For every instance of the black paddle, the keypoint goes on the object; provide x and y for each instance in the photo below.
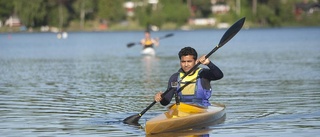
(232, 31)
(134, 43)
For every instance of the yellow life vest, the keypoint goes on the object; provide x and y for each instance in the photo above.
(148, 42)
(190, 80)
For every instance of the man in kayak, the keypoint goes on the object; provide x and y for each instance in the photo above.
(148, 42)
(195, 88)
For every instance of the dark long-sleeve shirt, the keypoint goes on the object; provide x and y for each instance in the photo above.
(206, 75)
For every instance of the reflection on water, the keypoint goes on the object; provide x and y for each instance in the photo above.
(150, 69)
(88, 83)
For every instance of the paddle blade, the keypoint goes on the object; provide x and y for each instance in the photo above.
(233, 30)
(130, 44)
(169, 35)
(132, 120)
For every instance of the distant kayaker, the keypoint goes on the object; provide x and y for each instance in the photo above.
(148, 42)
(194, 88)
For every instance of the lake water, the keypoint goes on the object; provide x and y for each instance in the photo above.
(87, 84)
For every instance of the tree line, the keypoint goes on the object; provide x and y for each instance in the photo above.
(88, 14)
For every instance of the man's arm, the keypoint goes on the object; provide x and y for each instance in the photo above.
(213, 73)
(166, 99)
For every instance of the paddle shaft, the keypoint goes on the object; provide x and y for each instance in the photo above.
(166, 36)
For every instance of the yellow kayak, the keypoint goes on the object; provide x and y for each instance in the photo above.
(185, 116)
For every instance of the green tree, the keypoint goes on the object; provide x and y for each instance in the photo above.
(166, 11)
(202, 8)
(286, 11)
(82, 8)
(173, 14)
(58, 14)
(111, 10)
(6, 8)
(30, 13)
(144, 13)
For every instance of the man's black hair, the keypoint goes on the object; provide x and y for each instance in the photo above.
(188, 51)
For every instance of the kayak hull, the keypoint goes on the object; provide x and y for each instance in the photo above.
(148, 51)
(185, 117)
(183, 133)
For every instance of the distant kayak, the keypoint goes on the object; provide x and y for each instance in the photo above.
(185, 116)
(148, 51)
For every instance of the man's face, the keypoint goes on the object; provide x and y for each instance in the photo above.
(187, 62)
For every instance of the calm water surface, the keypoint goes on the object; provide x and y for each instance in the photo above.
(87, 84)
